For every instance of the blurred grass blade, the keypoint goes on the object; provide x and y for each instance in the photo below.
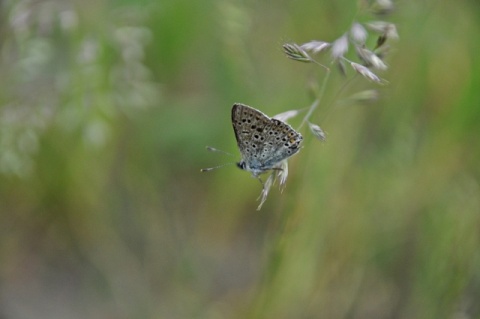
(365, 96)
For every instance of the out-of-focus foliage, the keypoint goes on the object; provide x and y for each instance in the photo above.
(105, 111)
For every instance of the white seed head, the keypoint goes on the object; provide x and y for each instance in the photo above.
(340, 47)
(315, 46)
(266, 189)
(365, 72)
(358, 33)
(370, 58)
(384, 28)
(286, 115)
(295, 52)
(317, 132)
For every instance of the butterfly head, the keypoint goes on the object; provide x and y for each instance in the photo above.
(254, 170)
(242, 165)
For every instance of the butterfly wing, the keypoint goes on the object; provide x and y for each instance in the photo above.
(249, 125)
(263, 142)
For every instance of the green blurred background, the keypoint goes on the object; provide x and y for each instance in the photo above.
(106, 109)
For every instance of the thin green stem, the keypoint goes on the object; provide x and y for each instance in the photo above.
(317, 100)
(330, 107)
(323, 66)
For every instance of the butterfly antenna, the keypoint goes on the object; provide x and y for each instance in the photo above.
(215, 167)
(213, 149)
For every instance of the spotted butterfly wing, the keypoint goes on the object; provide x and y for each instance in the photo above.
(263, 142)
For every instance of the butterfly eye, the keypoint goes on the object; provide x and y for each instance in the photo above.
(241, 165)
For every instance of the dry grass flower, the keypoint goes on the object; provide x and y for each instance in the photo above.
(295, 52)
(317, 132)
(356, 37)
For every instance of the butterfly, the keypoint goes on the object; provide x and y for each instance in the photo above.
(264, 142)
